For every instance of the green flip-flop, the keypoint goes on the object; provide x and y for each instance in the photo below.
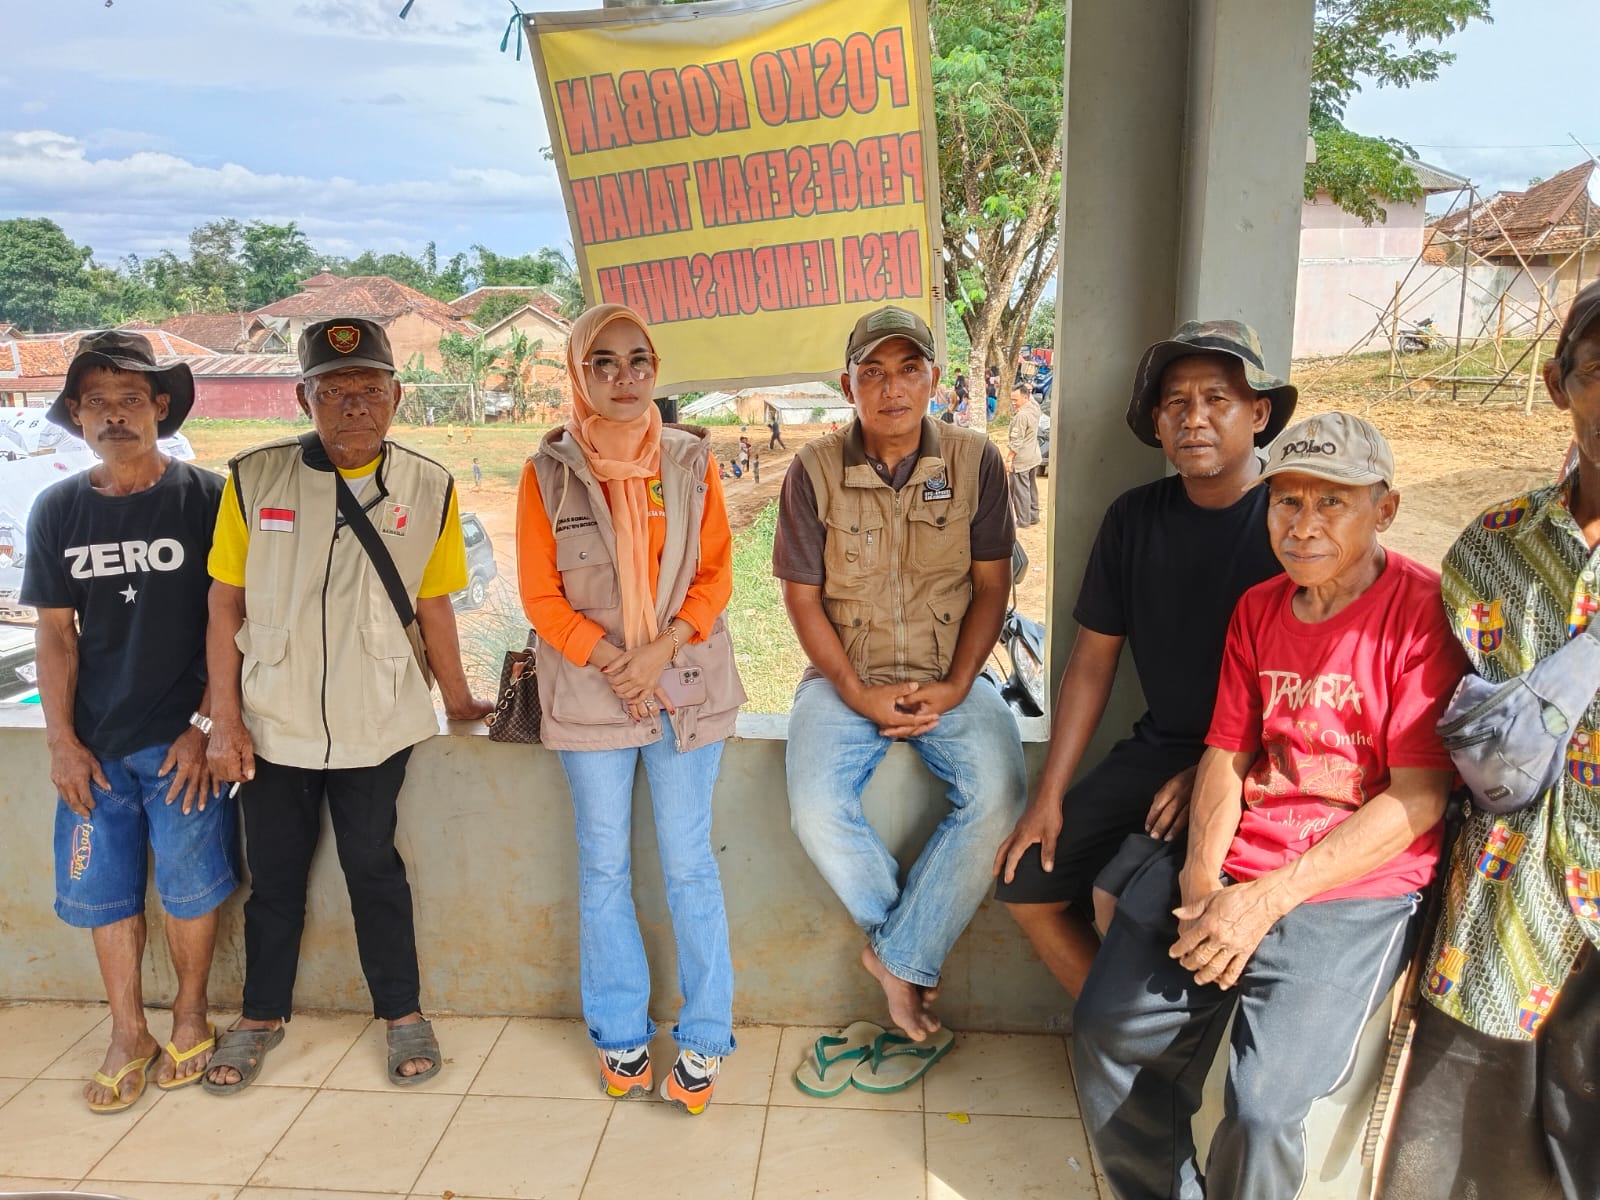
(852, 1045)
(897, 1062)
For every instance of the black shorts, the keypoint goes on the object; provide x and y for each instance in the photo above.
(1098, 813)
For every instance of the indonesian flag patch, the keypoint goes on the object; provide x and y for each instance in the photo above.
(276, 520)
(395, 517)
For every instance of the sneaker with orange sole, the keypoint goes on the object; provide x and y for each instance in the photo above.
(690, 1082)
(625, 1074)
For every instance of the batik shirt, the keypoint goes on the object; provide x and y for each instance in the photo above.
(1524, 890)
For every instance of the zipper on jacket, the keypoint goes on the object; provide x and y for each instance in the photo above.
(327, 574)
(899, 599)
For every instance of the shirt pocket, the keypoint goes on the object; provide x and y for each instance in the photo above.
(939, 536)
(588, 576)
(852, 619)
(948, 609)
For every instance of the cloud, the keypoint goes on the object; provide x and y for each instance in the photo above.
(147, 200)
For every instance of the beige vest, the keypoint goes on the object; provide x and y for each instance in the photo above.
(897, 564)
(580, 710)
(329, 679)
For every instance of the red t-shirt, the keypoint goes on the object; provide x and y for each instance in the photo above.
(1331, 707)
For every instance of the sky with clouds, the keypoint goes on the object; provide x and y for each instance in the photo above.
(131, 124)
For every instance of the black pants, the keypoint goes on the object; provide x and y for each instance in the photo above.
(1483, 1118)
(282, 822)
(775, 441)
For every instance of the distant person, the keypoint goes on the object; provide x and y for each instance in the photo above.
(991, 388)
(775, 432)
(1023, 457)
(1316, 821)
(894, 547)
(755, 468)
(1500, 1097)
(635, 664)
(317, 692)
(477, 476)
(1169, 562)
(116, 570)
(744, 452)
(963, 393)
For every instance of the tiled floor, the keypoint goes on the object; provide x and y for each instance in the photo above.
(515, 1114)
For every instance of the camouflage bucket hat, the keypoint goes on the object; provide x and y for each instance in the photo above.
(1233, 338)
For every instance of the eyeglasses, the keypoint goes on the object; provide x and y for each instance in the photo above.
(608, 369)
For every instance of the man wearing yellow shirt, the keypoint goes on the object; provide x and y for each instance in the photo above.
(316, 689)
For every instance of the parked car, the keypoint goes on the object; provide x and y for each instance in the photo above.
(19, 679)
(481, 568)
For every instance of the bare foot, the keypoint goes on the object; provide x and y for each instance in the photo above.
(188, 1031)
(907, 1006)
(124, 1049)
(411, 1066)
(227, 1075)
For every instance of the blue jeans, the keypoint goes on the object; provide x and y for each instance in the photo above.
(101, 859)
(614, 976)
(832, 753)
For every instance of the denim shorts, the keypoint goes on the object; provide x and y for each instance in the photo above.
(102, 860)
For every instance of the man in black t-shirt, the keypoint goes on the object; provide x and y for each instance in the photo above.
(117, 569)
(1169, 563)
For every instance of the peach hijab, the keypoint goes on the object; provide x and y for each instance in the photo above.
(623, 455)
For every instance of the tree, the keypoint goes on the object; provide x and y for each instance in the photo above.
(45, 282)
(515, 360)
(214, 276)
(276, 258)
(997, 68)
(1393, 44)
(1041, 330)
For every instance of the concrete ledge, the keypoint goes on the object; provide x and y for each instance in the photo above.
(486, 831)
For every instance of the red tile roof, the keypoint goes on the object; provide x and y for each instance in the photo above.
(1553, 217)
(376, 297)
(320, 279)
(47, 356)
(226, 333)
(539, 297)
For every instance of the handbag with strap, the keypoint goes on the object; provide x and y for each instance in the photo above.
(372, 542)
(517, 713)
(1509, 740)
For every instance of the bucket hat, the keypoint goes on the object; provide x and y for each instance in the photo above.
(126, 351)
(1233, 338)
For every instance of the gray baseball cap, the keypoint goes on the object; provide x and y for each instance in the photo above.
(1336, 446)
(880, 325)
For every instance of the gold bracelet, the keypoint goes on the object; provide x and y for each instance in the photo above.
(677, 643)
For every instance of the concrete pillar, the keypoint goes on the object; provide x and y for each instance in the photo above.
(1183, 157)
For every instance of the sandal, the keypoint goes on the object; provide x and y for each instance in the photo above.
(178, 1059)
(243, 1050)
(897, 1062)
(851, 1045)
(406, 1042)
(114, 1082)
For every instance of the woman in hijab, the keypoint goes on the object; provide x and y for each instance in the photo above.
(625, 565)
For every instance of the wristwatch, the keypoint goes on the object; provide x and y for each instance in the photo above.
(203, 724)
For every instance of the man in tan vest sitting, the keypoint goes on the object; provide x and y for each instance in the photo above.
(894, 546)
(317, 690)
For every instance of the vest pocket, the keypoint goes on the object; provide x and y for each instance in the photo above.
(588, 576)
(948, 611)
(263, 647)
(854, 542)
(391, 648)
(852, 620)
(939, 536)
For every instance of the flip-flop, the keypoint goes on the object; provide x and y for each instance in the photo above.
(244, 1050)
(897, 1062)
(114, 1082)
(178, 1059)
(406, 1042)
(851, 1044)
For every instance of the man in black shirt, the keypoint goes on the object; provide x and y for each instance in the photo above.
(117, 569)
(1169, 563)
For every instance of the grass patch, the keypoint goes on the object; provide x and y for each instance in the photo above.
(764, 645)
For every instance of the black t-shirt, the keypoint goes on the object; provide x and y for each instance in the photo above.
(1165, 574)
(134, 569)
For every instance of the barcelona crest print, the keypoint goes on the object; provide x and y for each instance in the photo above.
(1484, 627)
(1446, 971)
(1500, 853)
(1583, 757)
(1535, 1008)
(1583, 893)
(1507, 515)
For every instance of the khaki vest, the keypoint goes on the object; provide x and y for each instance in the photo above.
(329, 679)
(580, 710)
(897, 565)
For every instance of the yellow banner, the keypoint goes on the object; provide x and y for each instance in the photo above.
(751, 176)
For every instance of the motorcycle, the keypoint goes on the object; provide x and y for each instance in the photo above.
(1414, 339)
(1023, 689)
